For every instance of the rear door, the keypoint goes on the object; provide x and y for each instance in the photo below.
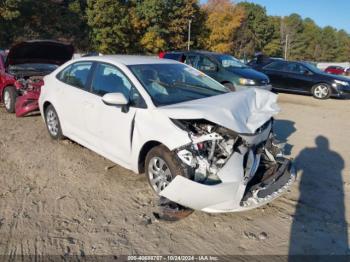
(276, 73)
(71, 95)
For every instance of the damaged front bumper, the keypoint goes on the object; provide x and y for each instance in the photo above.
(230, 196)
(253, 175)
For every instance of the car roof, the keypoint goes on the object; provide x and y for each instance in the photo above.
(129, 59)
(203, 52)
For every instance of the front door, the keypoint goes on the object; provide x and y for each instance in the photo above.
(110, 127)
(207, 66)
(298, 78)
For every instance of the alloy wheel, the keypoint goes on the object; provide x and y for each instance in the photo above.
(159, 174)
(7, 100)
(321, 91)
(52, 122)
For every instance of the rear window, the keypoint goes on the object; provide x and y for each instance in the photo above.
(276, 66)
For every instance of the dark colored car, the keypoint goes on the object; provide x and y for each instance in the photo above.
(302, 77)
(22, 72)
(260, 61)
(335, 70)
(225, 69)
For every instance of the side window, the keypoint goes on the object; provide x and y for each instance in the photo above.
(205, 64)
(136, 99)
(76, 74)
(295, 68)
(279, 66)
(190, 60)
(109, 79)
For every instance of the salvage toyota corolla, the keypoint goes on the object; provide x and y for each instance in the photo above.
(200, 146)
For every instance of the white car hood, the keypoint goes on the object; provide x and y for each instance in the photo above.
(243, 111)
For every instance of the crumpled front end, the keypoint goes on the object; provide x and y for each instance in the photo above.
(227, 171)
(29, 90)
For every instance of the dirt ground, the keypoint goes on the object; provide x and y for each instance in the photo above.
(60, 198)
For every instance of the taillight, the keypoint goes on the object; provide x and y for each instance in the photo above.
(161, 54)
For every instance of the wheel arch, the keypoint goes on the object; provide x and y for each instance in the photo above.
(143, 154)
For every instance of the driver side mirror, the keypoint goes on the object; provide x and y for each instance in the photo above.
(115, 99)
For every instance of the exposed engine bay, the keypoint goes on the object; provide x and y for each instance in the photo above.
(29, 84)
(211, 147)
(252, 164)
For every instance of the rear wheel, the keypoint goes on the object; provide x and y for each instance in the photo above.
(53, 123)
(9, 98)
(321, 91)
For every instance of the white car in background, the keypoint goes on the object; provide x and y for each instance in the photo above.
(200, 145)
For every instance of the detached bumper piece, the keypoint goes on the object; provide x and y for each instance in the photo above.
(269, 184)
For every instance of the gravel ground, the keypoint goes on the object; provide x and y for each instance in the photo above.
(59, 198)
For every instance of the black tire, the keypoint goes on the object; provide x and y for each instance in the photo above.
(170, 160)
(318, 91)
(168, 210)
(9, 98)
(230, 86)
(53, 123)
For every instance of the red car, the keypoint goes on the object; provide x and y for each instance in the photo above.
(335, 70)
(22, 72)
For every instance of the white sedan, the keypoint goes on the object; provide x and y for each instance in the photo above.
(200, 145)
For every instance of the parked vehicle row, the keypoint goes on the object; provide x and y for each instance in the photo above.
(225, 69)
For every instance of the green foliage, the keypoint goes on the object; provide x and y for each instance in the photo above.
(45, 19)
(110, 25)
(255, 31)
(150, 26)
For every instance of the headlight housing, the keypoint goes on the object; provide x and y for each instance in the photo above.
(343, 83)
(246, 82)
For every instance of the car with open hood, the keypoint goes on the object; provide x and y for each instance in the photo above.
(224, 68)
(23, 69)
(200, 145)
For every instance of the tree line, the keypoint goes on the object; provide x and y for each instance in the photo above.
(151, 26)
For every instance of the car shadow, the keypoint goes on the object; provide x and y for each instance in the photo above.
(283, 129)
(319, 224)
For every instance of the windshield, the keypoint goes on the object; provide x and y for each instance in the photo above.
(40, 68)
(230, 61)
(174, 83)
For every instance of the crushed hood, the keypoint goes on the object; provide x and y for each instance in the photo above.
(243, 111)
(40, 51)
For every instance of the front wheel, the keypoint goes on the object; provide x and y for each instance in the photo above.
(230, 87)
(9, 98)
(161, 168)
(53, 123)
(321, 91)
